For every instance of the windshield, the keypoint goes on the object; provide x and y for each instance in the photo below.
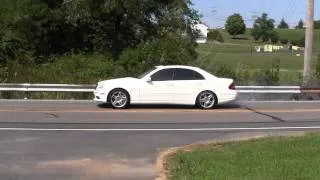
(145, 73)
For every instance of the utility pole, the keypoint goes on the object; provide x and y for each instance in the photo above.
(308, 43)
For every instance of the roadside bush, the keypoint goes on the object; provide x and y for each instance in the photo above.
(215, 35)
(269, 75)
(317, 73)
(67, 69)
(75, 69)
(284, 41)
(3, 74)
(294, 42)
(220, 38)
(288, 78)
(301, 42)
(242, 74)
(298, 42)
(224, 71)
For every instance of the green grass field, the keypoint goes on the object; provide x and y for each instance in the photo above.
(261, 159)
(295, 34)
(233, 52)
(231, 55)
(290, 34)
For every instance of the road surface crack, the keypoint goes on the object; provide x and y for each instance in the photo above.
(265, 114)
(52, 115)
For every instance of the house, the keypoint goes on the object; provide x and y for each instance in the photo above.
(268, 48)
(297, 48)
(203, 31)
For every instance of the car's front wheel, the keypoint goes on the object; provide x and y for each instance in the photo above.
(206, 100)
(119, 98)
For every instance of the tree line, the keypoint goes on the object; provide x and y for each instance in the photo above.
(263, 28)
(129, 35)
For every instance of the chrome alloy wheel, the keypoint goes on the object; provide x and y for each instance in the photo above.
(119, 99)
(206, 100)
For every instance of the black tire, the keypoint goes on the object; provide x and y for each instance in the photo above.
(119, 99)
(211, 100)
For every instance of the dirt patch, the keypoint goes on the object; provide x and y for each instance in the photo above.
(89, 169)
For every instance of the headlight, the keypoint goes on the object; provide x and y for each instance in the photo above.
(99, 85)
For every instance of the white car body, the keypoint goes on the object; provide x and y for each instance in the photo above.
(146, 91)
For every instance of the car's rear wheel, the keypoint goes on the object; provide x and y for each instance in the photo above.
(206, 100)
(119, 98)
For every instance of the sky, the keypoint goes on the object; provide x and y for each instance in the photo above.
(215, 12)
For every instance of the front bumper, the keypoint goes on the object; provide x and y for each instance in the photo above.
(100, 96)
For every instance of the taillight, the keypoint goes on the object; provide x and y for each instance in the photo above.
(232, 86)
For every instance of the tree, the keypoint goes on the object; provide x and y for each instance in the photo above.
(274, 37)
(114, 25)
(263, 28)
(37, 31)
(53, 27)
(300, 24)
(283, 24)
(235, 25)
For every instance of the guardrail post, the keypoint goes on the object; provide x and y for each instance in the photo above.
(26, 92)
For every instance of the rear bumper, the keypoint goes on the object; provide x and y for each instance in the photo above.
(228, 97)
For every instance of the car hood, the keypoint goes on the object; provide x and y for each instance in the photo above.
(118, 80)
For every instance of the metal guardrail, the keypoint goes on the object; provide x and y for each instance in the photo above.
(26, 87)
(269, 89)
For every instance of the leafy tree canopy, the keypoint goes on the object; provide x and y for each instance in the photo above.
(49, 27)
(300, 24)
(263, 28)
(283, 24)
(235, 25)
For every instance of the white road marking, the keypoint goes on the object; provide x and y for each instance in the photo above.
(96, 103)
(176, 129)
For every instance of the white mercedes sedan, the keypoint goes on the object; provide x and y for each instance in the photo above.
(172, 84)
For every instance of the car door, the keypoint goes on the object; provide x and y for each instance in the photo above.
(159, 89)
(187, 83)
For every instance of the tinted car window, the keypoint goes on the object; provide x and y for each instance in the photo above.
(186, 74)
(162, 75)
(198, 76)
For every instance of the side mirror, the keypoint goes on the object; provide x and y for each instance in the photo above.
(148, 79)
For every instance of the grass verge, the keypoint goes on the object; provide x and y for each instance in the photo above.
(266, 158)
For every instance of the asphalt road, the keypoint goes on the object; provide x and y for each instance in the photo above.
(83, 140)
